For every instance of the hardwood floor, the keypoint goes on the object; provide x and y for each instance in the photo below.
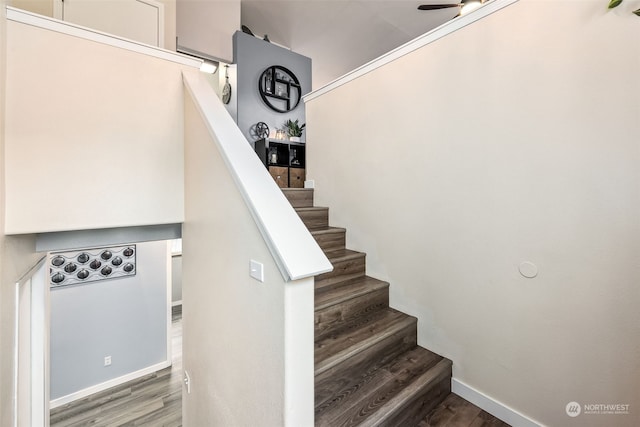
(153, 400)
(454, 411)
(156, 400)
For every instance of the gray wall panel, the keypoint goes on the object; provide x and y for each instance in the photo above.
(124, 318)
(252, 56)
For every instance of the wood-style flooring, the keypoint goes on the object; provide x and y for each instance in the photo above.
(153, 400)
(156, 400)
(454, 411)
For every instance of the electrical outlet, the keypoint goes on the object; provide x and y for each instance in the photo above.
(107, 361)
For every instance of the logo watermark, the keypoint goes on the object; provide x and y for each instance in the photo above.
(573, 409)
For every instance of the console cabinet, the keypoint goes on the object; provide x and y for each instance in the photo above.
(285, 161)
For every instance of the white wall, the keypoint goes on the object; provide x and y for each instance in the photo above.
(208, 26)
(247, 345)
(45, 7)
(17, 255)
(511, 140)
(42, 7)
(101, 129)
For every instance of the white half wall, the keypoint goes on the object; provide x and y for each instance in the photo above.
(46, 8)
(247, 345)
(17, 256)
(94, 135)
(511, 140)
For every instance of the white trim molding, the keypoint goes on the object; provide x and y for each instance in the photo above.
(160, 10)
(108, 384)
(492, 406)
(427, 38)
(28, 18)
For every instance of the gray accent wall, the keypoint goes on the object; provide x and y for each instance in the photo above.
(252, 56)
(125, 318)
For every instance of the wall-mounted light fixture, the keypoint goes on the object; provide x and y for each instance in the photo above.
(469, 5)
(208, 66)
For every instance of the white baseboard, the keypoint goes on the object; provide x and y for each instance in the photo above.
(107, 384)
(495, 408)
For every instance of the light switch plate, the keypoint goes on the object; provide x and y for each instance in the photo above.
(257, 270)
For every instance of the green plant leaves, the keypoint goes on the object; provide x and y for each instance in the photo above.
(614, 3)
(636, 12)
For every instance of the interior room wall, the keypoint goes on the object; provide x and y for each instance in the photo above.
(45, 7)
(252, 56)
(207, 27)
(41, 7)
(125, 318)
(107, 127)
(17, 255)
(247, 345)
(511, 140)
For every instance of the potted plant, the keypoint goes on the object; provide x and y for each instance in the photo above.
(294, 130)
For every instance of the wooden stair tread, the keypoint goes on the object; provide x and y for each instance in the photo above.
(369, 370)
(299, 197)
(311, 208)
(344, 255)
(378, 396)
(314, 217)
(347, 265)
(327, 230)
(327, 297)
(357, 336)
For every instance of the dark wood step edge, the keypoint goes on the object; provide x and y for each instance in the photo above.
(328, 230)
(341, 257)
(349, 295)
(311, 209)
(342, 356)
(401, 400)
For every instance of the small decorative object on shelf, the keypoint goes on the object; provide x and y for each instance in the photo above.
(294, 130)
(273, 155)
(281, 134)
(261, 130)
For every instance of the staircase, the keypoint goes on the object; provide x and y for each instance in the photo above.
(369, 370)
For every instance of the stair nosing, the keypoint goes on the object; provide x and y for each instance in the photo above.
(349, 254)
(376, 286)
(328, 230)
(339, 357)
(400, 400)
(311, 208)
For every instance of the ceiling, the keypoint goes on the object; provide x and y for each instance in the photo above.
(340, 35)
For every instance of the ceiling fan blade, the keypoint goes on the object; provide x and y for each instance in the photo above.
(437, 6)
